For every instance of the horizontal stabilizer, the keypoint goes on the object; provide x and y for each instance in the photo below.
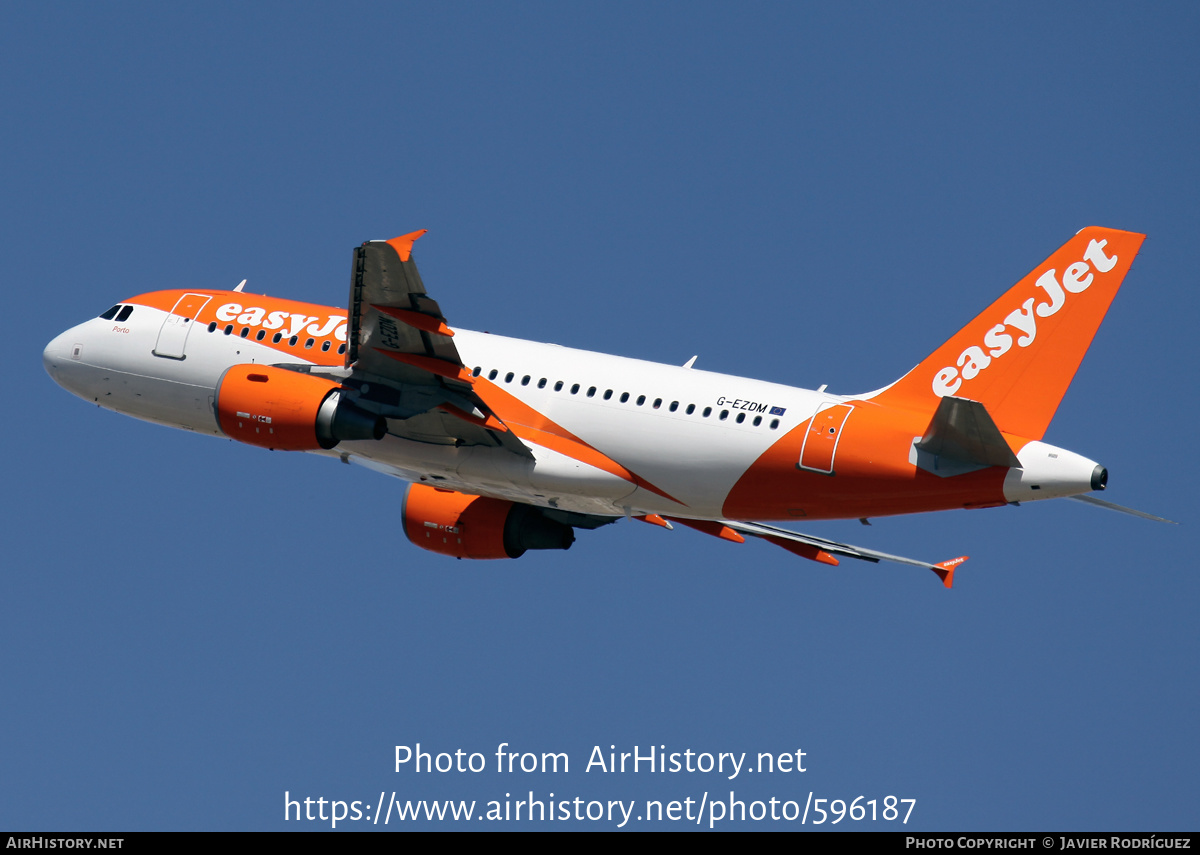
(962, 430)
(1113, 506)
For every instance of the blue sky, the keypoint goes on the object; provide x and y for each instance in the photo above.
(804, 194)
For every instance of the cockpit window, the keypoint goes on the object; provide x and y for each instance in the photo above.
(111, 313)
(125, 313)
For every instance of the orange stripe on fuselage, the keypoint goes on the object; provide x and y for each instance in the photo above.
(872, 474)
(527, 423)
(256, 312)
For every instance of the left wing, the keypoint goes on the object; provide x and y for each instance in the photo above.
(813, 548)
(402, 358)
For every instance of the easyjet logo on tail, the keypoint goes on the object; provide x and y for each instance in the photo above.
(1022, 322)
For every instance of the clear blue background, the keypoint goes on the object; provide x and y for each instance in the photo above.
(799, 193)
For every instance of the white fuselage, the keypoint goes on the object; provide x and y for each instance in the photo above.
(608, 435)
(690, 433)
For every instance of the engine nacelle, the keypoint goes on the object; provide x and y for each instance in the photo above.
(286, 410)
(453, 523)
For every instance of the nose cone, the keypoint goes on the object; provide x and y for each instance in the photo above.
(57, 352)
(62, 361)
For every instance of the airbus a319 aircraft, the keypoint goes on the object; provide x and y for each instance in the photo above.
(511, 445)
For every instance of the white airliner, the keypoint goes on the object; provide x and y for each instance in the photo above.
(510, 445)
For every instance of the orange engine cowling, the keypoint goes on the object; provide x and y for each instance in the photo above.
(286, 410)
(454, 523)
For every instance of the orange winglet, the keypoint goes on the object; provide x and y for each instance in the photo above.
(428, 323)
(433, 365)
(654, 519)
(489, 421)
(403, 244)
(945, 569)
(711, 527)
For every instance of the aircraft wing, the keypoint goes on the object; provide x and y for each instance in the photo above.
(401, 356)
(815, 548)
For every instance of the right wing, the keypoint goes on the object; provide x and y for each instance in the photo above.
(813, 548)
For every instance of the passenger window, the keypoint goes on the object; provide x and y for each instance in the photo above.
(741, 418)
(508, 378)
(757, 421)
(674, 406)
(476, 371)
(341, 348)
(591, 391)
(263, 334)
(607, 394)
(574, 388)
(624, 397)
(774, 424)
(125, 313)
(111, 313)
(707, 412)
(724, 415)
(525, 380)
(691, 408)
(558, 386)
(641, 400)
(212, 327)
(229, 329)
(245, 332)
(308, 344)
(278, 337)
(657, 403)
(542, 383)
(492, 374)
(325, 345)
(292, 341)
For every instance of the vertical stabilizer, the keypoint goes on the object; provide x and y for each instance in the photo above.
(1019, 355)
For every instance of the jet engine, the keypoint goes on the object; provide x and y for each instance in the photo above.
(286, 410)
(453, 523)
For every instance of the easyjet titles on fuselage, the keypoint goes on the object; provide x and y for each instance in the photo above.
(254, 316)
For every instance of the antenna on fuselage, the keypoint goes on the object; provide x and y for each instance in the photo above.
(690, 362)
(241, 285)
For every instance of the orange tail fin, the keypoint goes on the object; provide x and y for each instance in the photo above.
(1018, 357)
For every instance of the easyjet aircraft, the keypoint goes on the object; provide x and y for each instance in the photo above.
(510, 445)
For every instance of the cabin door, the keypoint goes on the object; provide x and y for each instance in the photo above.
(822, 437)
(173, 336)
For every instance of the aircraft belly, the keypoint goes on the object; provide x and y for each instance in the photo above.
(426, 462)
(692, 462)
(556, 474)
(549, 480)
